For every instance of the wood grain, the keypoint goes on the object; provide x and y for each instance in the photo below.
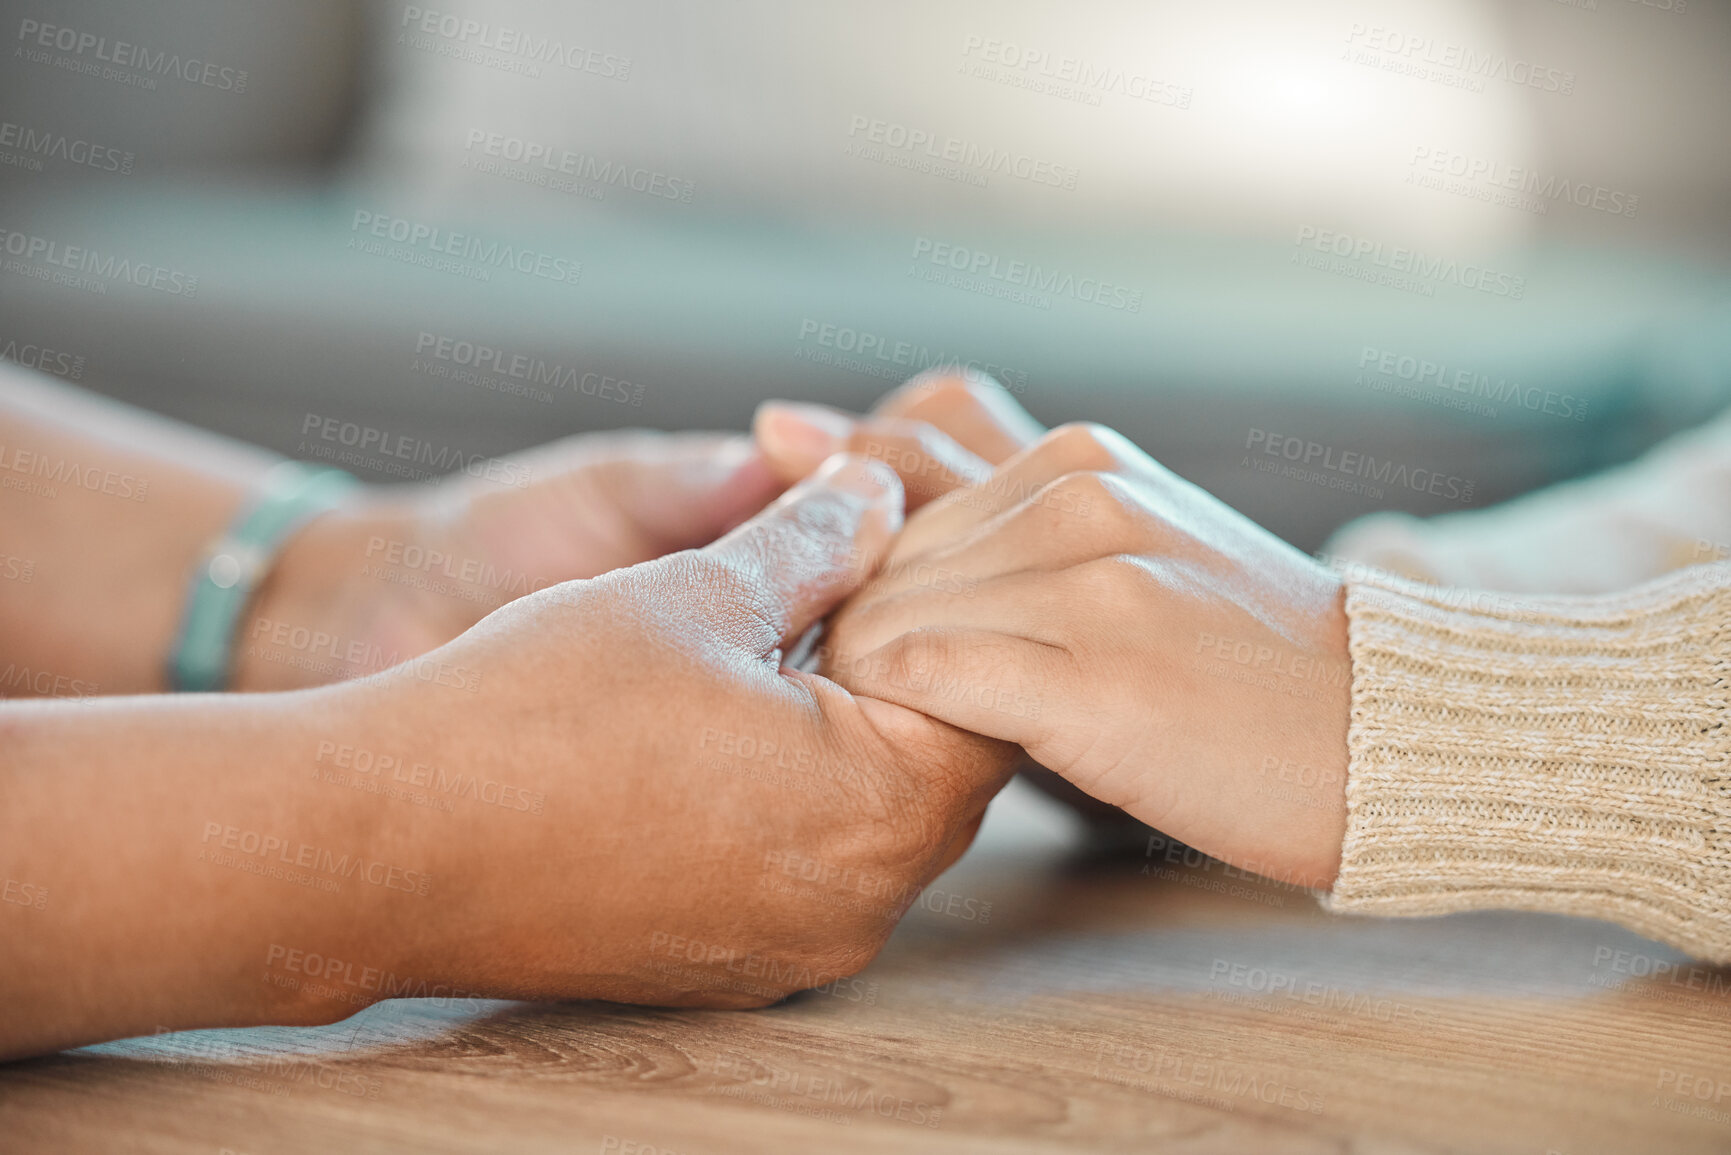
(1117, 1004)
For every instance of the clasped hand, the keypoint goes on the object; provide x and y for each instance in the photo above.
(720, 829)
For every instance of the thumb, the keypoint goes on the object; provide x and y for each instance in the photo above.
(797, 560)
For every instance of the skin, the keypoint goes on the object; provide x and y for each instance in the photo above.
(179, 857)
(642, 803)
(109, 570)
(681, 882)
(943, 430)
(396, 570)
(1152, 646)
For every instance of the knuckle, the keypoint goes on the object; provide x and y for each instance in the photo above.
(730, 592)
(1116, 579)
(818, 529)
(950, 396)
(914, 659)
(977, 390)
(1082, 445)
(1091, 485)
(931, 396)
(1086, 504)
(812, 535)
(708, 569)
(1111, 501)
(945, 387)
(734, 577)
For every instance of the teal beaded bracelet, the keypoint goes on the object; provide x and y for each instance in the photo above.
(231, 569)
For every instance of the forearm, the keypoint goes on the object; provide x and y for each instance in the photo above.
(106, 511)
(154, 850)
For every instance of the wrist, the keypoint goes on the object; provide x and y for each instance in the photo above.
(1278, 766)
(321, 614)
(1310, 846)
(1322, 820)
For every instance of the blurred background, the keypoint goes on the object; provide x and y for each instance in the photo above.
(1488, 240)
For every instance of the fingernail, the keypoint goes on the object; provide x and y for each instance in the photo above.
(791, 429)
(872, 480)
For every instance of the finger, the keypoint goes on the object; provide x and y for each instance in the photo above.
(990, 683)
(685, 490)
(970, 406)
(795, 438)
(1074, 520)
(1075, 448)
(794, 562)
(649, 494)
(928, 462)
(1023, 605)
(951, 770)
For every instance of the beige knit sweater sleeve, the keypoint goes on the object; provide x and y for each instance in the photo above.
(1568, 754)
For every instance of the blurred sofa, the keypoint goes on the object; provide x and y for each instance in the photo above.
(731, 217)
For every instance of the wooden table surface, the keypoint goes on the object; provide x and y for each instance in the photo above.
(1038, 999)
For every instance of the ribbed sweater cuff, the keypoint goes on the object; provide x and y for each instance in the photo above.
(1556, 754)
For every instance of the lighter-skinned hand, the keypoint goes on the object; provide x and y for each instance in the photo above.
(1159, 650)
